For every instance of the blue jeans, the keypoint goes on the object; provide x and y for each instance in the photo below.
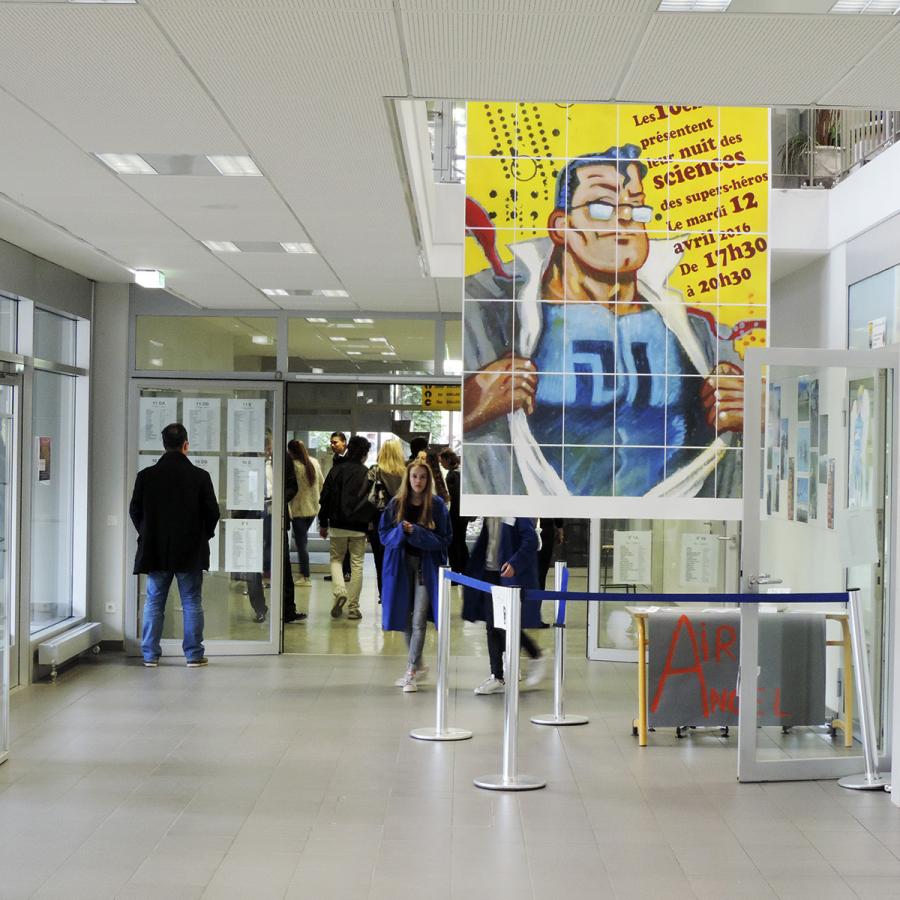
(189, 587)
(300, 527)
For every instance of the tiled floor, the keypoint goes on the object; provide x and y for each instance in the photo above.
(294, 777)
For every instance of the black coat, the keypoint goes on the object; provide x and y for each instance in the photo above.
(175, 511)
(341, 503)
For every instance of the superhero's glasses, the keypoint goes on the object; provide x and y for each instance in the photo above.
(602, 211)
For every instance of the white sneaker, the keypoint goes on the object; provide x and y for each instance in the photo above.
(409, 683)
(491, 686)
(537, 672)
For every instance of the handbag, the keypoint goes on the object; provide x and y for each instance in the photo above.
(378, 495)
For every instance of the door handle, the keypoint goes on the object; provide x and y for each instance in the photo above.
(763, 579)
(731, 539)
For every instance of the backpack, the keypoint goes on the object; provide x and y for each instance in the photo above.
(377, 496)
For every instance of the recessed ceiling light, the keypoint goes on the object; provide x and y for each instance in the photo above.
(379, 340)
(344, 325)
(317, 371)
(884, 7)
(337, 339)
(262, 339)
(297, 247)
(234, 165)
(316, 320)
(694, 5)
(222, 246)
(332, 292)
(353, 353)
(156, 361)
(149, 278)
(126, 163)
(388, 353)
(364, 321)
(275, 292)
(103, 1)
(156, 343)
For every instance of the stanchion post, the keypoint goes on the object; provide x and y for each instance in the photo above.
(509, 778)
(558, 716)
(870, 780)
(441, 732)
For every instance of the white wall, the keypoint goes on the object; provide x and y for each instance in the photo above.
(108, 566)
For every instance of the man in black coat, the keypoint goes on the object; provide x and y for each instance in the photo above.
(175, 511)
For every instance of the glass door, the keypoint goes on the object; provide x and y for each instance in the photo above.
(9, 657)
(235, 430)
(819, 514)
(635, 557)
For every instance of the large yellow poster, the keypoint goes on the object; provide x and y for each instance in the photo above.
(616, 272)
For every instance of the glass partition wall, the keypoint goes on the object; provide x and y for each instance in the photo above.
(820, 517)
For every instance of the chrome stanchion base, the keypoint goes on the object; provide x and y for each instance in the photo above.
(861, 783)
(515, 783)
(448, 734)
(567, 719)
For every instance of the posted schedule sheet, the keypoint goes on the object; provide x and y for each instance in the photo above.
(246, 426)
(155, 413)
(246, 488)
(202, 419)
(243, 545)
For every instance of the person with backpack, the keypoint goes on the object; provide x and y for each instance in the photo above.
(415, 531)
(344, 517)
(385, 478)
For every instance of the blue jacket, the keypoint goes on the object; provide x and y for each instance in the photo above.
(396, 602)
(519, 547)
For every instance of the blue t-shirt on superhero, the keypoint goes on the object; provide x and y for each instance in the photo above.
(630, 425)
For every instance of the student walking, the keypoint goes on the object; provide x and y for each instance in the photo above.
(387, 472)
(305, 505)
(344, 518)
(459, 551)
(415, 532)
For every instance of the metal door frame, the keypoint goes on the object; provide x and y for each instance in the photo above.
(172, 646)
(14, 520)
(750, 768)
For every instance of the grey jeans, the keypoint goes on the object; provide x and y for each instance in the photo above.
(415, 631)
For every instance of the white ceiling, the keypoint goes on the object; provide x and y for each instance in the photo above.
(300, 85)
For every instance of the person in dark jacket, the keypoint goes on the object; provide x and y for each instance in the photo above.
(175, 511)
(505, 553)
(459, 551)
(415, 532)
(344, 517)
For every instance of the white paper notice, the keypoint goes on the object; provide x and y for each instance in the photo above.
(246, 426)
(202, 419)
(243, 545)
(699, 560)
(631, 557)
(214, 552)
(155, 413)
(209, 464)
(246, 488)
(857, 536)
(144, 461)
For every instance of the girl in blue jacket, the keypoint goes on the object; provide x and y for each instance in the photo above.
(415, 531)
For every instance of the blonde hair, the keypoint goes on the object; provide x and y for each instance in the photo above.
(405, 491)
(390, 457)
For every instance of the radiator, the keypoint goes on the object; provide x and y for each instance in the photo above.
(68, 644)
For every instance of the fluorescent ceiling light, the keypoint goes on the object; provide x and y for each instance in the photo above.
(337, 339)
(379, 340)
(332, 292)
(317, 371)
(388, 353)
(103, 1)
(156, 343)
(126, 163)
(222, 246)
(316, 320)
(873, 7)
(297, 247)
(344, 325)
(234, 165)
(275, 292)
(694, 5)
(364, 321)
(263, 339)
(149, 278)
(353, 353)
(155, 361)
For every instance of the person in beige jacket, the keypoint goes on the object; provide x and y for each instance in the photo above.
(305, 505)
